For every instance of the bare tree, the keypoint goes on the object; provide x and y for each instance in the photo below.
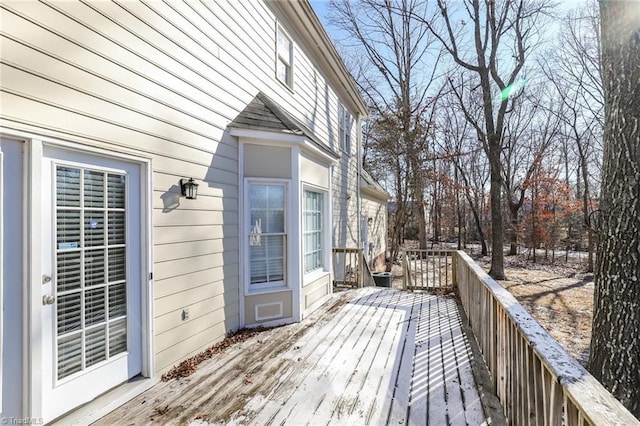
(528, 134)
(615, 343)
(400, 67)
(573, 67)
(458, 143)
(501, 35)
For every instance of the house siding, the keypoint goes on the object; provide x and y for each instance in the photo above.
(346, 195)
(161, 81)
(377, 232)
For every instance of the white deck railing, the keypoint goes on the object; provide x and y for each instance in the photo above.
(350, 268)
(424, 269)
(536, 380)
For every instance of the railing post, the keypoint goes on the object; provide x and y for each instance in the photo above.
(405, 268)
(360, 260)
(454, 277)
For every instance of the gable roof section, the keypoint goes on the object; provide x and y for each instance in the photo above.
(265, 115)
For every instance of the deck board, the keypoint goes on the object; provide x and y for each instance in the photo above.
(368, 356)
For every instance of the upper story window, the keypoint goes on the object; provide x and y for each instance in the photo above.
(284, 58)
(345, 121)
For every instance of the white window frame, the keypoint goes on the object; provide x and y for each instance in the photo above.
(285, 58)
(274, 285)
(323, 230)
(345, 126)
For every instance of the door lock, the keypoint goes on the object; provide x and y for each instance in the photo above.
(46, 279)
(48, 299)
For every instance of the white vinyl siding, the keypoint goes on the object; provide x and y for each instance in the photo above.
(162, 80)
(313, 231)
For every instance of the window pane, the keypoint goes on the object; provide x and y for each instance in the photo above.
(93, 189)
(267, 217)
(93, 228)
(96, 345)
(116, 227)
(115, 191)
(284, 46)
(258, 196)
(67, 187)
(117, 264)
(275, 221)
(283, 72)
(267, 259)
(313, 234)
(69, 313)
(94, 267)
(259, 271)
(68, 272)
(68, 229)
(117, 300)
(94, 311)
(69, 355)
(117, 337)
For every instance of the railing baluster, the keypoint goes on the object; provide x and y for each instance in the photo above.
(537, 382)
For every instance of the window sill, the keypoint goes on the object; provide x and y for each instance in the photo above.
(264, 290)
(314, 276)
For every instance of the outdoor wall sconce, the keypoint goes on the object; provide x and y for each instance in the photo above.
(189, 188)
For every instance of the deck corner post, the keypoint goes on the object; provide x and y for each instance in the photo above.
(405, 268)
(454, 275)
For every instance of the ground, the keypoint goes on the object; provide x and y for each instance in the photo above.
(558, 294)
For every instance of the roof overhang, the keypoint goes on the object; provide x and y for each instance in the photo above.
(288, 140)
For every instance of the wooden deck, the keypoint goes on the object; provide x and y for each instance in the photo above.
(368, 356)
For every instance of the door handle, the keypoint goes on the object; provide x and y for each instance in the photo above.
(48, 299)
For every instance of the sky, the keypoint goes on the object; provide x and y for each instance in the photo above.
(321, 7)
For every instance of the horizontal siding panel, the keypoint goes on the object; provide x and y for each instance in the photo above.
(210, 173)
(179, 112)
(164, 252)
(194, 217)
(177, 234)
(107, 112)
(226, 275)
(195, 344)
(169, 39)
(170, 327)
(179, 267)
(85, 25)
(207, 200)
(178, 301)
(57, 118)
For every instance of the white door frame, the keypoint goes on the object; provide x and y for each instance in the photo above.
(32, 305)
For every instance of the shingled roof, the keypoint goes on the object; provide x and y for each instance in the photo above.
(264, 114)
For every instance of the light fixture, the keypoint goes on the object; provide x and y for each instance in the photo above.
(189, 188)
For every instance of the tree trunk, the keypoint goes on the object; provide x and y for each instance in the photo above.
(615, 344)
(497, 232)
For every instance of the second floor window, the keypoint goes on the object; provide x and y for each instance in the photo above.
(344, 122)
(284, 60)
